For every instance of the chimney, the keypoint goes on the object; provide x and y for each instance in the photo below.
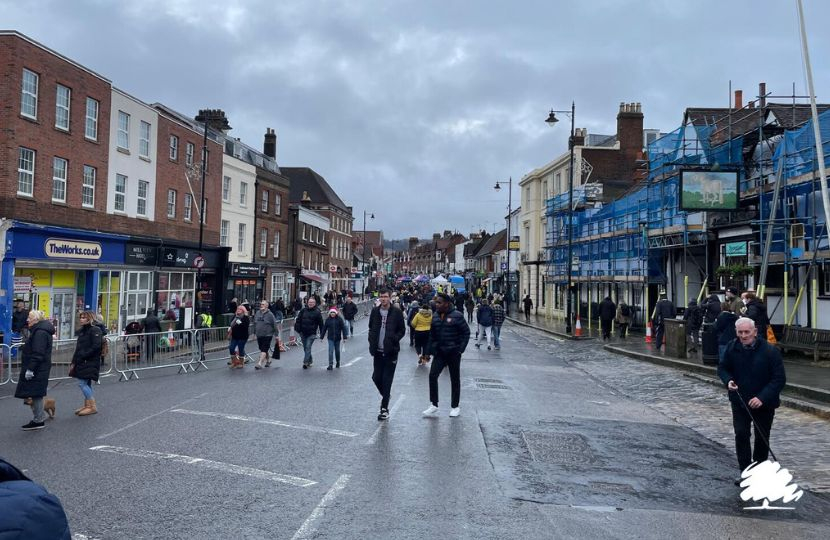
(306, 199)
(436, 237)
(739, 99)
(413, 241)
(579, 137)
(269, 148)
(447, 234)
(630, 131)
(215, 119)
(762, 94)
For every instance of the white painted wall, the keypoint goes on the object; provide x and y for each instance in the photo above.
(235, 212)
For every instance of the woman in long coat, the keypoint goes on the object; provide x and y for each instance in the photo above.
(87, 360)
(35, 367)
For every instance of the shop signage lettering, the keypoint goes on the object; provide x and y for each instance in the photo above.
(143, 255)
(186, 258)
(239, 269)
(71, 249)
(22, 284)
(736, 249)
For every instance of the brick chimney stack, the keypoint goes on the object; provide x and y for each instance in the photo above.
(739, 99)
(269, 147)
(630, 130)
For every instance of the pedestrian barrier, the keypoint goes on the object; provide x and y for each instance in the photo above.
(5, 363)
(134, 353)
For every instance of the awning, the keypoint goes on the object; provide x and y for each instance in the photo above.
(485, 280)
(313, 276)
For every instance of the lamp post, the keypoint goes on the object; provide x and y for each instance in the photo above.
(506, 273)
(365, 281)
(551, 120)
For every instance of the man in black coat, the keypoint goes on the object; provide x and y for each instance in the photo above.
(309, 323)
(449, 336)
(386, 329)
(151, 326)
(607, 312)
(349, 312)
(753, 372)
(663, 310)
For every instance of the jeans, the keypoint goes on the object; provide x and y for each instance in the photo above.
(721, 351)
(742, 424)
(350, 327)
(487, 332)
(308, 341)
(496, 336)
(453, 362)
(334, 351)
(623, 328)
(383, 375)
(237, 344)
(86, 387)
(37, 409)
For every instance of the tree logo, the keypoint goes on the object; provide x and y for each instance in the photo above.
(768, 482)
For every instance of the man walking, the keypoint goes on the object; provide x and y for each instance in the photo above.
(386, 329)
(498, 320)
(349, 312)
(308, 324)
(19, 316)
(448, 340)
(753, 372)
(694, 318)
(485, 322)
(663, 310)
(607, 312)
(528, 305)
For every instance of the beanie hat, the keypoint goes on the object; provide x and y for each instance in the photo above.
(333, 310)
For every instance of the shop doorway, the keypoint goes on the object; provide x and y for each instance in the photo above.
(63, 310)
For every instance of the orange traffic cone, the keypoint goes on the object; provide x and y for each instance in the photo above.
(578, 328)
(648, 332)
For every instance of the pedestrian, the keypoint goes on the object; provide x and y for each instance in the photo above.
(725, 328)
(753, 372)
(335, 328)
(278, 309)
(232, 305)
(694, 318)
(151, 326)
(247, 305)
(498, 320)
(308, 324)
(527, 303)
(386, 329)
(35, 366)
(485, 322)
(459, 301)
(86, 361)
(410, 314)
(349, 313)
(238, 335)
(470, 304)
(623, 318)
(756, 310)
(19, 316)
(449, 336)
(710, 308)
(663, 310)
(734, 300)
(421, 324)
(607, 312)
(265, 328)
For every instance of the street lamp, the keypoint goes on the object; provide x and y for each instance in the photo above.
(365, 281)
(506, 274)
(551, 120)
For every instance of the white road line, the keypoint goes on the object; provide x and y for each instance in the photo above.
(309, 527)
(266, 421)
(394, 408)
(354, 361)
(128, 426)
(215, 465)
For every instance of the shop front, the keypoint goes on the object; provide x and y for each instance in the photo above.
(312, 282)
(246, 282)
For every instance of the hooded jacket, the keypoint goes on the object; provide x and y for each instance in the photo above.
(37, 357)
(422, 321)
(87, 356)
(485, 315)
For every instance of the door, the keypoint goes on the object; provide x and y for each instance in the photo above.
(63, 309)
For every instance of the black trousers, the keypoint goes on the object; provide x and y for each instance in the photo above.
(422, 342)
(453, 363)
(659, 332)
(383, 375)
(742, 423)
(605, 324)
(623, 328)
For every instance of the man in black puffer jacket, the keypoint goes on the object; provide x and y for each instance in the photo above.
(308, 324)
(386, 328)
(448, 340)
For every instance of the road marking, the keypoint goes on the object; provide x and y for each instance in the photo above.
(79, 536)
(354, 361)
(215, 465)
(309, 527)
(394, 408)
(266, 421)
(128, 426)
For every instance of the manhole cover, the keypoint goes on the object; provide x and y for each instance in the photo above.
(488, 386)
(559, 448)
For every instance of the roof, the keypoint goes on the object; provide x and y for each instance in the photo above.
(748, 119)
(493, 244)
(304, 179)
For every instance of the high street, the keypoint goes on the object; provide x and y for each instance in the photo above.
(556, 439)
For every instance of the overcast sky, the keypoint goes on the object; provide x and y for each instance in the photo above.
(414, 109)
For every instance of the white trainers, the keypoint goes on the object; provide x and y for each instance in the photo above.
(455, 411)
(431, 410)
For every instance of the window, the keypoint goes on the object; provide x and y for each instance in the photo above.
(59, 167)
(120, 192)
(62, 101)
(318, 237)
(144, 140)
(302, 260)
(175, 290)
(141, 203)
(171, 203)
(263, 242)
(91, 128)
(243, 194)
(223, 233)
(304, 236)
(189, 150)
(188, 201)
(226, 189)
(276, 244)
(123, 130)
(264, 201)
(277, 204)
(26, 172)
(174, 147)
(28, 94)
(324, 238)
(88, 188)
(240, 244)
(278, 289)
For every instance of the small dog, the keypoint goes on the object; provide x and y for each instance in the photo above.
(48, 405)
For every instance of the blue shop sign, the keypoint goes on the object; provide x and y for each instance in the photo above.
(59, 244)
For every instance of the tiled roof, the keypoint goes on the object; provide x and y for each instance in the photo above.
(304, 179)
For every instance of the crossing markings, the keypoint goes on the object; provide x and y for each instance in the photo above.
(267, 421)
(384, 423)
(128, 426)
(208, 464)
(309, 527)
(353, 361)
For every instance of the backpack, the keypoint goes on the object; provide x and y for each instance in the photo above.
(625, 310)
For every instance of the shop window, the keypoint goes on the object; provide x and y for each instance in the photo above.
(174, 291)
(109, 297)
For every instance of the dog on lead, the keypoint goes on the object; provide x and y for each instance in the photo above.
(48, 405)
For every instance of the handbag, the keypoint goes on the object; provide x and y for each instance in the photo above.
(71, 369)
(276, 353)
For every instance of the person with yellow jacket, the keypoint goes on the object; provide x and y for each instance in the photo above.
(421, 326)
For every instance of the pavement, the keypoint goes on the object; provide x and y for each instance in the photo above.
(808, 382)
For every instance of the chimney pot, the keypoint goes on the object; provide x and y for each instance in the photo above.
(622, 106)
(739, 99)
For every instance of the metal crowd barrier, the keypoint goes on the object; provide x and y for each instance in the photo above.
(133, 353)
(5, 363)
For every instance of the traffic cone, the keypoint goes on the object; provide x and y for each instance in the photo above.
(648, 332)
(578, 328)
